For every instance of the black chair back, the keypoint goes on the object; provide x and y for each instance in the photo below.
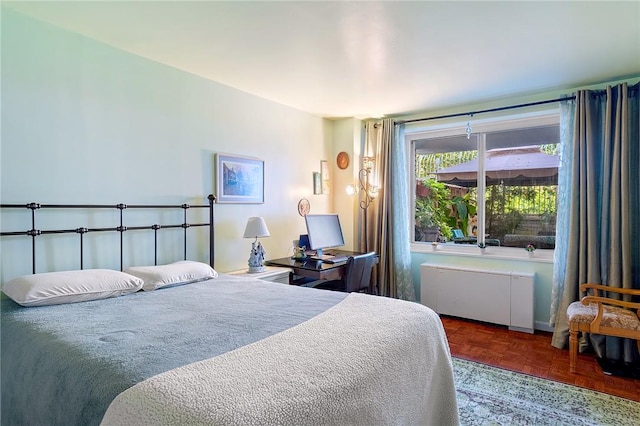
(357, 275)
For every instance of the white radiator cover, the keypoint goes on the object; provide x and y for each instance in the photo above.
(499, 297)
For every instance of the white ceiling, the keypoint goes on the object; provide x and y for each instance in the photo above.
(369, 59)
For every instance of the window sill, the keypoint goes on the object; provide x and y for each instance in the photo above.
(491, 252)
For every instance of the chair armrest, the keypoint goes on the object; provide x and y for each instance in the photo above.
(607, 301)
(597, 287)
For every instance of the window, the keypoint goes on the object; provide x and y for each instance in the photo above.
(514, 205)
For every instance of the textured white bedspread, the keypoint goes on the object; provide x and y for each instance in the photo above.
(366, 361)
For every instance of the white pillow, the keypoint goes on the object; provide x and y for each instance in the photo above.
(183, 272)
(55, 288)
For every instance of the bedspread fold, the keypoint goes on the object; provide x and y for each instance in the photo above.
(365, 361)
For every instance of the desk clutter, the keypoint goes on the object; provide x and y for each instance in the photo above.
(336, 258)
(302, 252)
(307, 272)
(333, 269)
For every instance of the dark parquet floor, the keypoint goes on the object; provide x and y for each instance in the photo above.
(531, 354)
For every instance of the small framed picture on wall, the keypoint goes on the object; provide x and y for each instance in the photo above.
(324, 169)
(317, 183)
(326, 178)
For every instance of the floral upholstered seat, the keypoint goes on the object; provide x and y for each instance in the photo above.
(602, 315)
(613, 316)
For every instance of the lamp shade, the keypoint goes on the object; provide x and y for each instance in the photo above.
(256, 228)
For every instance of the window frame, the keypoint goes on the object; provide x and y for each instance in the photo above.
(415, 132)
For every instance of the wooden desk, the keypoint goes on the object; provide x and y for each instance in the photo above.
(314, 269)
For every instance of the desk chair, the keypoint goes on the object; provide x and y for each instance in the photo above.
(602, 315)
(357, 276)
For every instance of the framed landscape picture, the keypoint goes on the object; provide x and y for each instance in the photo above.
(239, 179)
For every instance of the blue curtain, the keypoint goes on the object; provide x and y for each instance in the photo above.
(598, 231)
(400, 223)
(567, 113)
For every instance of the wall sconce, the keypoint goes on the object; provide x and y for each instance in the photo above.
(256, 228)
(368, 192)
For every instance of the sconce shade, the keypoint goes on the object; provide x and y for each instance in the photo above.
(256, 228)
(368, 163)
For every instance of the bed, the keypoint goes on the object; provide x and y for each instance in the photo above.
(188, 345)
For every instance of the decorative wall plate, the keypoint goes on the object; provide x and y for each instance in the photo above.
(342, 160)
(303, 207)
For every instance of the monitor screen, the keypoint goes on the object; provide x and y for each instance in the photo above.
(324, 231)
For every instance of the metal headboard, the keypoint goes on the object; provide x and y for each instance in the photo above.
(33, 232)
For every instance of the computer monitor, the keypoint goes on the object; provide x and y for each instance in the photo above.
(324, 232)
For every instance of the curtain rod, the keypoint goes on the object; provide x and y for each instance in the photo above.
(472, 113)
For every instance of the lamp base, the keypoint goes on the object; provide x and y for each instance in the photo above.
(256, 269)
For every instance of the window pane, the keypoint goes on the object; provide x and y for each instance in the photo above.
(521, 171)
(522, 176)
(444, 203)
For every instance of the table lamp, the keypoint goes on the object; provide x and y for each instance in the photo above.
(256, 228)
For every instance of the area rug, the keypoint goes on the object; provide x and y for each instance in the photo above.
(494, 396)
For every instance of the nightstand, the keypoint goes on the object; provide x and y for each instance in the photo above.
(273, 273)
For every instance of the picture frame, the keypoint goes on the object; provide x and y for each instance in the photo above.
(326, 178)
(239, 179)
(317, 183)
(324, 169)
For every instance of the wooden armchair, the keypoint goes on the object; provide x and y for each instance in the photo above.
(597, 314)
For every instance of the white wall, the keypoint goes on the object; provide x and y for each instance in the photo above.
(83, 122)
(347, 138)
